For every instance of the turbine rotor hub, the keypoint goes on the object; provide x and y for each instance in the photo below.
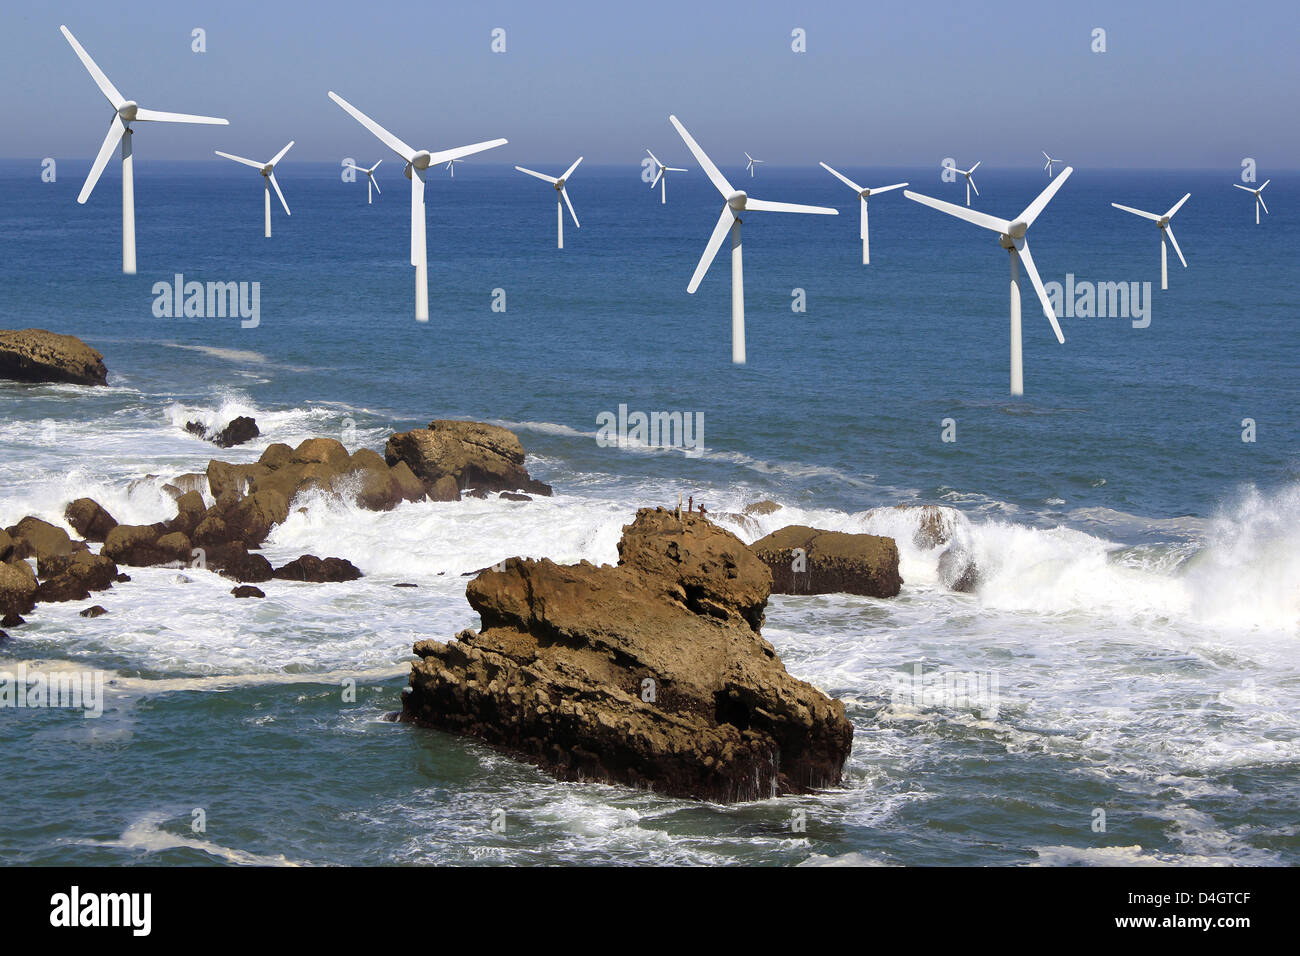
(128, 110)
(737, 199)
(421, 159)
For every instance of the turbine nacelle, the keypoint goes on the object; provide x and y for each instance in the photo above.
(737, 200)
(128, 110)
(421, 159)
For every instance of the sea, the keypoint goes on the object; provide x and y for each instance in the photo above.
(1135, 516)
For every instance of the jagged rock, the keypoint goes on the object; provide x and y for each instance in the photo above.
(135, 544)
(97, 611)
(765, 507)
(311, 568)
(251, 518)
(89, 519)
(247, 591)
(444, 489)
(18, 587)
(651, 674)
(35, 355)
(236, 432)
(34, 538)
(806, 560)
(71, 577)
(471, 454)
(190, 512)
(236, 562)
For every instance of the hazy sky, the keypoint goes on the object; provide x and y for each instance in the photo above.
(1181, 83)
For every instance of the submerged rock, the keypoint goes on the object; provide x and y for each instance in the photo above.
(806, 560)
(652, 673)
(236, 432)
(247, 591)
(958, 571)
(320, 570)
(96, 611)
(451, 456)
(35, 355)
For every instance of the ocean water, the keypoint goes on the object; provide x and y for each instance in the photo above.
(1140, 604)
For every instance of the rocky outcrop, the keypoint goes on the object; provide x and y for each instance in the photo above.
(237, 432)
(35, 355)
(450, 457)
(311, 568)
(806, 560)
(89, 519)
(34, 538)
(652, 673)
(765, 507)
(71, 577)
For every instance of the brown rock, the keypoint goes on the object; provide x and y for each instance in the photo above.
(211, 530)
(134, 544)
(35, 355)
(275, 455)
(324, 451)
(18, 587)
(651, 674)
(251, 519)
(6, 545)
(765, 507)
(34, 538)
(472, 454)
(237, 432)
(224, 477)
(247, 591)
(444, 489)
(311, 568)
(97, 611)
(71, 577)
(89, 519)
(237, 563)
(806, 560)
(190, 512)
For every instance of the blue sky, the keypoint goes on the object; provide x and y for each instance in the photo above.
(1181, 84)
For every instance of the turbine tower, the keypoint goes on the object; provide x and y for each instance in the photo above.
(1259, 200)
(125, 112)
(1165, 230)
(863, 194)
(268, 180)
(1011, 234)
(661, 179)
(417, 163)
(561, 198)
(735, 204)
(372, 186)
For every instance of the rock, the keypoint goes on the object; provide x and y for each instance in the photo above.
(311, 568)
(224, 477)
(471, 454)
(958, 571)
(89, 519)
(6, 545)
(322, 451)
(251, 518)
(405, 584)
(190, 481)
(236, 562)
(444, 489)
(190, 512)
(175, 549)
(765, 507)
(238, 431)
(121, 578)
(832, 562)
(18, 588)
(211, 530)
(72, 577)
(651, 674)
(247, 591)
(198, 429)
(408, 486)
(34, 538)
(97, 611)
(514, 496)
(34, 355)
(11, 619)
(134, 544)
(935, 526)
(4, 638)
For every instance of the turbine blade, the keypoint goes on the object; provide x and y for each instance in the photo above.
(711, 250)
(1046, 157)
(1266, 182)
(565, 194)
(569, 172)
(658, 176)
(276, 186)
(374, 182)
(459, 152)
(1247, 188)
(1170, 232)
(1038, 205)
(674, 169)
(961, 212)
(374, 167)
(1261, 201)
(280, 155)
(654, 157)
(1137, 212)
(1177, 206)
(542, 176)
(1022, 250)
(973, 168)
(385, 137)
(105, 86)
(239, 159)
(115, 131)
(748, 157)
(762, 205)
(157, 116)
(719, 181)
(842, 178)
(885, 189)
(971, 180)
(345, 165)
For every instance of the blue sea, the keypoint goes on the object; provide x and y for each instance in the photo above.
(1139, 604)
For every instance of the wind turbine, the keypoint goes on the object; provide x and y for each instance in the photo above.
(1259, 200)
(661, 179)
(1011, 234)
(125, 113)
(1050, 163)
(451, 166)
(736, 203)
(752, 163)
(417, 162)
(1165, 230)
(268, 176)
(970, 181)
(863, 194)
(561, 198)
(371, 185)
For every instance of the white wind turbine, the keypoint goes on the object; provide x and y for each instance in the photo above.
(268, 180)
(561, 198)
(736, 203)
(1011, 234)
(417, 162)
(372, 186)
(451, 166)
(1165, 230)
(970, 180)
(661, 179)
(1050, 163)
(125, 113)
(752, 163)
(1259, 200)
(863, 194)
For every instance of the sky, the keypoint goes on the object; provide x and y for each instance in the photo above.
(1180, 85)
